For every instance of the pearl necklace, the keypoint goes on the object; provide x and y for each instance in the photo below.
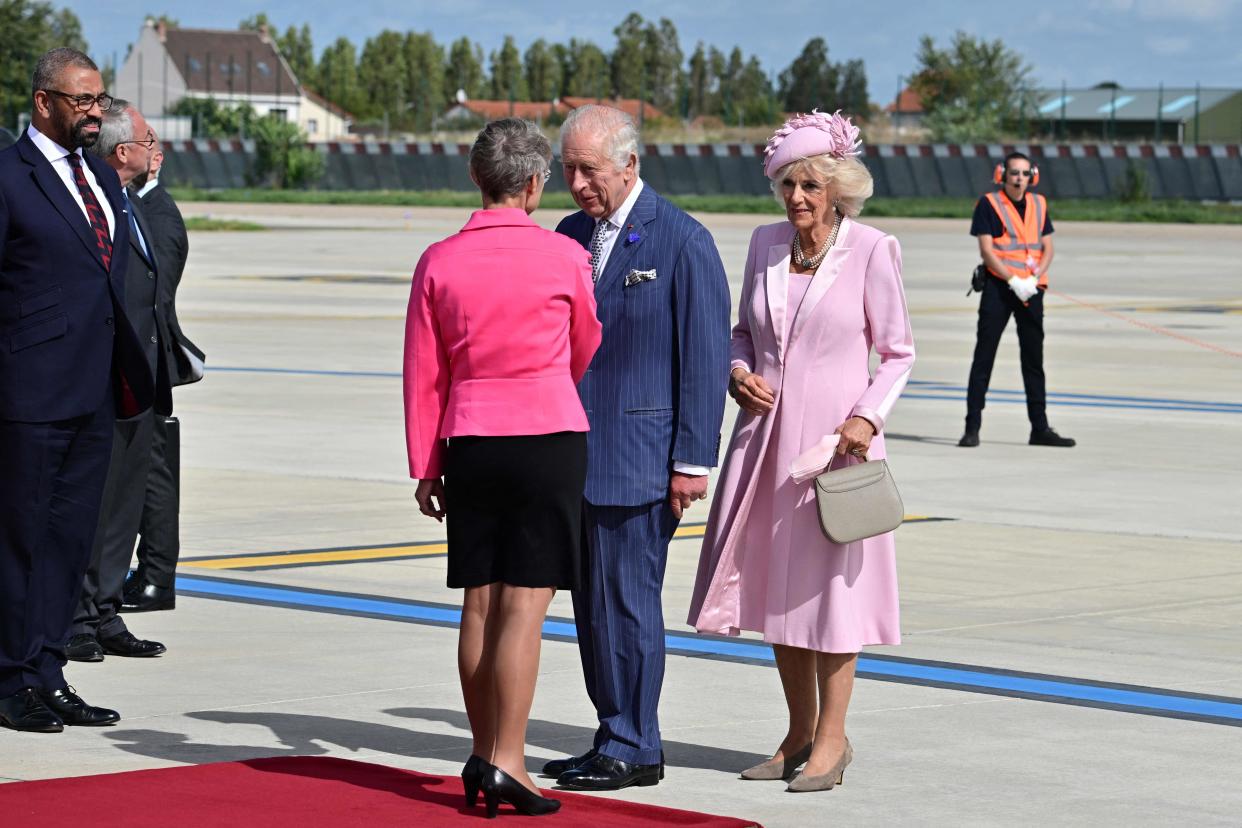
(812, 262)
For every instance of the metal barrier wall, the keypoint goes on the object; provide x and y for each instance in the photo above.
(1212, 173)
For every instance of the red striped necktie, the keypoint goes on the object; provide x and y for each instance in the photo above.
(95, 213)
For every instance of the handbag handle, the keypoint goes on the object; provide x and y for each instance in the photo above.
(816, 460)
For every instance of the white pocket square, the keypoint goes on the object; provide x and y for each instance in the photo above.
(636, 276)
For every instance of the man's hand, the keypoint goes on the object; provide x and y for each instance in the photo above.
(430, 497)
(751, 392)
(683, 490)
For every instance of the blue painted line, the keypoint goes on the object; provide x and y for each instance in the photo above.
(957, 393)
(1126, 698)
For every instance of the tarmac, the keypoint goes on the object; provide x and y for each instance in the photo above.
(1072, 619)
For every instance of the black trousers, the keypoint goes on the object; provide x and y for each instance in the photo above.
(119, 516)
(159, 545)
(996, 304)
(51, 484)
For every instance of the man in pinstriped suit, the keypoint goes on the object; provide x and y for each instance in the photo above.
(654, 395)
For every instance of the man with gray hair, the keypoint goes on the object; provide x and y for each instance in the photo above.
(126, 144)
(654, 396)
(70, 365)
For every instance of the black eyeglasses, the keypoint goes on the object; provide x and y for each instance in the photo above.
(1023, 173)
(147, 142)
(83, 103)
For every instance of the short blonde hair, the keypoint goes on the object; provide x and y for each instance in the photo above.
(848, 180)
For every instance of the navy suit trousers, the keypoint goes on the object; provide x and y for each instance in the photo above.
(620, 623)
(51, 484)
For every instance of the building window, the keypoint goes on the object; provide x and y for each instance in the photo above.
(312, 126)
(279, 114)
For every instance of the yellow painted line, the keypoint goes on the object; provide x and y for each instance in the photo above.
(364, 554)
(333, 556)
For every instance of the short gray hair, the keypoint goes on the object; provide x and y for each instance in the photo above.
(52, 63)
(617, 128)
(117, 126)
(506, 153)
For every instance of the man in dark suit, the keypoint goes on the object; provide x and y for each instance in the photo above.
(70, 364)
(152, 586)
(126, 144)
(654, 396)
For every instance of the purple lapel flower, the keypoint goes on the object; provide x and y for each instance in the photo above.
(633, 236)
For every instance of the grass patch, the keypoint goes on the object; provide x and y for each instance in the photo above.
(1172, 212)
(209, 224)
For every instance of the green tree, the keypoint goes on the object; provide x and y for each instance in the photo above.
(382, 74)
(508, 82)
(974, 90)
(700, 82)
(753, 94)
(211, 119)
(27, 30)
(544, 73)
(853, 90)
(256, 22)
(424, 61)
(629, 58)
(337, 75)
(169, 22)
(589, 71)
(663, 57)
(465, 69)
(282, 159)
(811, 81)
(299, 51)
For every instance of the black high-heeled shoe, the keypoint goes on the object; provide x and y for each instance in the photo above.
(472, 777)
(499, 786)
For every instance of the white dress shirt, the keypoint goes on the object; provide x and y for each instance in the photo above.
(151, 184)
(58, 157)
(615, 224)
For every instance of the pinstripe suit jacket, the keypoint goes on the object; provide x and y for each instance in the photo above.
(655, 390)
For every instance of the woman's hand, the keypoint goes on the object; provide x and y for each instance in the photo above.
(856, 434)
(427, 490)
(751, 392)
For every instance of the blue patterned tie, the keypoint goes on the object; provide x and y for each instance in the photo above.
(597, 248)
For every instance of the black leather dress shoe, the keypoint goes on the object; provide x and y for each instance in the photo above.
(970, 439)
(603, 773)
(142, 596)
(72, 710)
(83, 647)
(558, 766)
(25, 710)
(128, 644)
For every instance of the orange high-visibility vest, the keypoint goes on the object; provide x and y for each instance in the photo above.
(1021, 246)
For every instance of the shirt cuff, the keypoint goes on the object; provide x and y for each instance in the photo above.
(870, 415)
(691, 470)
(737, 363)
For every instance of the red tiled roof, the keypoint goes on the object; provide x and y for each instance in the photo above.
(907, 101)
(240, 62)
(530, 110)
(629, 106)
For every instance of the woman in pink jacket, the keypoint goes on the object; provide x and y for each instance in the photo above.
(820, 292)
(500, 329)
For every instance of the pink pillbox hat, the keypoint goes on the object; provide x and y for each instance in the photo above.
(805, 136)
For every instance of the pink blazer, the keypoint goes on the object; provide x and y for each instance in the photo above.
(500, 329)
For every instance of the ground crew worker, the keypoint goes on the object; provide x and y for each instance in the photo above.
(1014, 230)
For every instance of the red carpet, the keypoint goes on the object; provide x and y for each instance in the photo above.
(298, 792)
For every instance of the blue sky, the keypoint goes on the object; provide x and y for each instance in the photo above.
(1082, 42)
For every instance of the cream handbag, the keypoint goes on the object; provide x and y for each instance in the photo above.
(858, 501)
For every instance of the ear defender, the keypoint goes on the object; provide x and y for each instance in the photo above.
(998, 175)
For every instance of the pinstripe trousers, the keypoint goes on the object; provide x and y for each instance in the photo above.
(620, 622)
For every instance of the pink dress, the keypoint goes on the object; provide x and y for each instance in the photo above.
(766, 565)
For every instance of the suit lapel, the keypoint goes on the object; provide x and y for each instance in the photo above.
(120, 233)
(53, 187)
(829, 270)
(623, 250)
(776, 286)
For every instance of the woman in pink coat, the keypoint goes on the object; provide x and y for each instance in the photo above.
(500, 329)
(820, 292)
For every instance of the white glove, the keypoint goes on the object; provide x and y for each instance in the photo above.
(1024, 287)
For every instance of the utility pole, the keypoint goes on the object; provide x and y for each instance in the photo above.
(1159, 113)
(1196, 114)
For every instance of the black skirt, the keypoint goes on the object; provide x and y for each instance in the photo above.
(514, 510)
